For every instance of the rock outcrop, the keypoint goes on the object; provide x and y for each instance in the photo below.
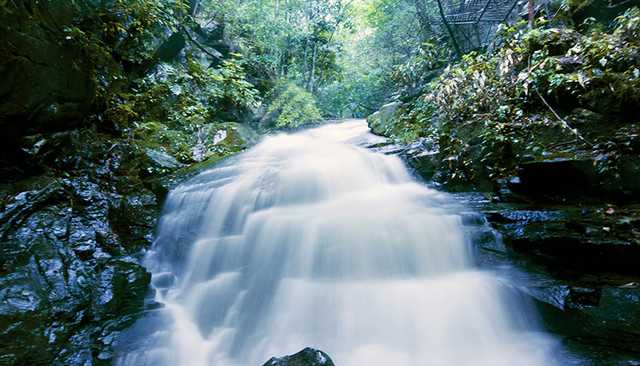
(48, 83)
(306, 357)
(382, 121)
(70, 273)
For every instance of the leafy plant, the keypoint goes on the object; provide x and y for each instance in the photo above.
(292, 107)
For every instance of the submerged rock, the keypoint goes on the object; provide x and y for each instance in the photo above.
(306, 357)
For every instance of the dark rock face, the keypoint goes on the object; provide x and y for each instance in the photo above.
(423, 157)
(575, 179)
(70, 277)
(592, 238)
(47, 83)
(306, 357)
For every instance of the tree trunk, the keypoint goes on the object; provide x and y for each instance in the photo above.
(311, 84)
(531, 8)
(446, 24)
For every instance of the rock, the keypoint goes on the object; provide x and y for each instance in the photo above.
(606, 319)
(162, 160)
(423, 156)
(558, 178)
(582, 285)
(47, 83)
(570, 63)
(306, 357)
(564, 179)
(68, 274)
(381, 122)
(603, 12)
(584, 118)
(579, 297)
(171, 48)
(582, 238)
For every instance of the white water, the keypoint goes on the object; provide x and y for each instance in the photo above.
(310, 240)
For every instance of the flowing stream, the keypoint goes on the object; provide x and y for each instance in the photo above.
(310, 239)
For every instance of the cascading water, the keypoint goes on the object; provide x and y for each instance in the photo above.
(309, 240)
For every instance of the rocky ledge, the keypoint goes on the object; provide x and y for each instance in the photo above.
(306, 357)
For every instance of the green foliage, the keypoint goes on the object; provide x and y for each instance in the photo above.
(159, 105)
(490, 111)
(293, 40)
(293, 107)
(420, 68)
(185, 94)
(380, 61)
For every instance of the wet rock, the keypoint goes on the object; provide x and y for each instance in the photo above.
(162, 160)
(69, 277)
(579, 297)
(579, 267)
(306, 357)
(422, 155)
(608, 317)
(592, 238)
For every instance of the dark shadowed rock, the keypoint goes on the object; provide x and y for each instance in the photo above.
(47, 82)
(564, 179)
(423, 156)
(595, 238)
(306, 357)
(556, 177)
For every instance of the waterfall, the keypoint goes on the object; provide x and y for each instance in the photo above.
(310, 239)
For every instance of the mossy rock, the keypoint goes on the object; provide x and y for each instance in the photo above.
(383, 122)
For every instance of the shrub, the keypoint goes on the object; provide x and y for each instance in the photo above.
(292, 107)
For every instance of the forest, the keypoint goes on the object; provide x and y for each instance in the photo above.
(502, 137)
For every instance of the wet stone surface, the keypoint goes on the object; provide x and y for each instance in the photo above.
(69, 277)
(306, 357)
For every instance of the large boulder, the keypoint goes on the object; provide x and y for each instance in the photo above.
(382, 121)
(306, 357)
